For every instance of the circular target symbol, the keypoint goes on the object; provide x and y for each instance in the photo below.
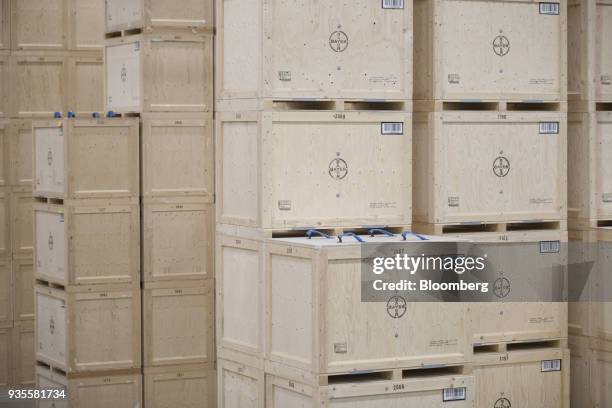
(396, 307)
(338, 41)
(501, 166)
(501, 287)
(501, 45)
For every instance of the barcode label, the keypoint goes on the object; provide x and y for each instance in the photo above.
(392, 128)
(393, 4)
(549, 8)
(551, 365)
(550, 247)
(453, 394)
(549, 128)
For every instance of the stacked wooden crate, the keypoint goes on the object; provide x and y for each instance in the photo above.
(87, 257)
(313, 131)
(50, 61)
(158, 61)
(490, 165)
(590, 200)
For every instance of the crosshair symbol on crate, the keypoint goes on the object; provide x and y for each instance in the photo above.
(338, 169)
(501, 287)
(123, 74)
(51, 326)
(396, 306)
(502, 403)
(501, 166)
(338, 41)
(501, 45)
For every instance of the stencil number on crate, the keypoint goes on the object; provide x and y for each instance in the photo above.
(338, 41)
(502, 403)
(398, 387)
(338, 169)
(393, 4)
(454, 394)
(396, 306)
(340, 116)
(501, 45)
(501, 287)
(501, 166)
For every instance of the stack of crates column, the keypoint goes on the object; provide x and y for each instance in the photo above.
(590, 199)
(87, 259)
(158, 60)
(313, 131)
(50, 60)
(490, 163)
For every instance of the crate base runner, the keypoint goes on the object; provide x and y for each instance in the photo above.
(182, 385)
(23, 351)
(240, 385)
(92, 329)
(120, 389)
(522, 377)
(178, 323)
(591, 377)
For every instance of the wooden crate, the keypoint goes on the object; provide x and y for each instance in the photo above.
(4, 152)
(23, 289)
(159, 72)
(178, 323)
(20, 152)
(521, 50)
(23, 354)
(71, 158)
(518, 378)
(5, 216)
(239, 385)
(178, 239)
(589, 57)
(141, 14)
(177, 154)
(6, 368)
(6, 292)
(601, 373)
(86, 25)
(187, 386)
(117, 390)
(515, 321)
(589, 175)
(472, 167)
(355, 50)
(87, 242)
(38, 81)
(21, 227)
(95, 328)
(428, 388)
(85, 84)
(583, 276)
(39, 25)
(315, 319)
(5, 24)
(282, 170)
(239, 307)
(4, 83)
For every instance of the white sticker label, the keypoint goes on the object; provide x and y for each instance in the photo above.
(284, 76)
(549, 128)
(392, 128)
(453, 394)
(606, 197)
(393, 4)
(551, 9)
(551, 365)
(550, 247)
